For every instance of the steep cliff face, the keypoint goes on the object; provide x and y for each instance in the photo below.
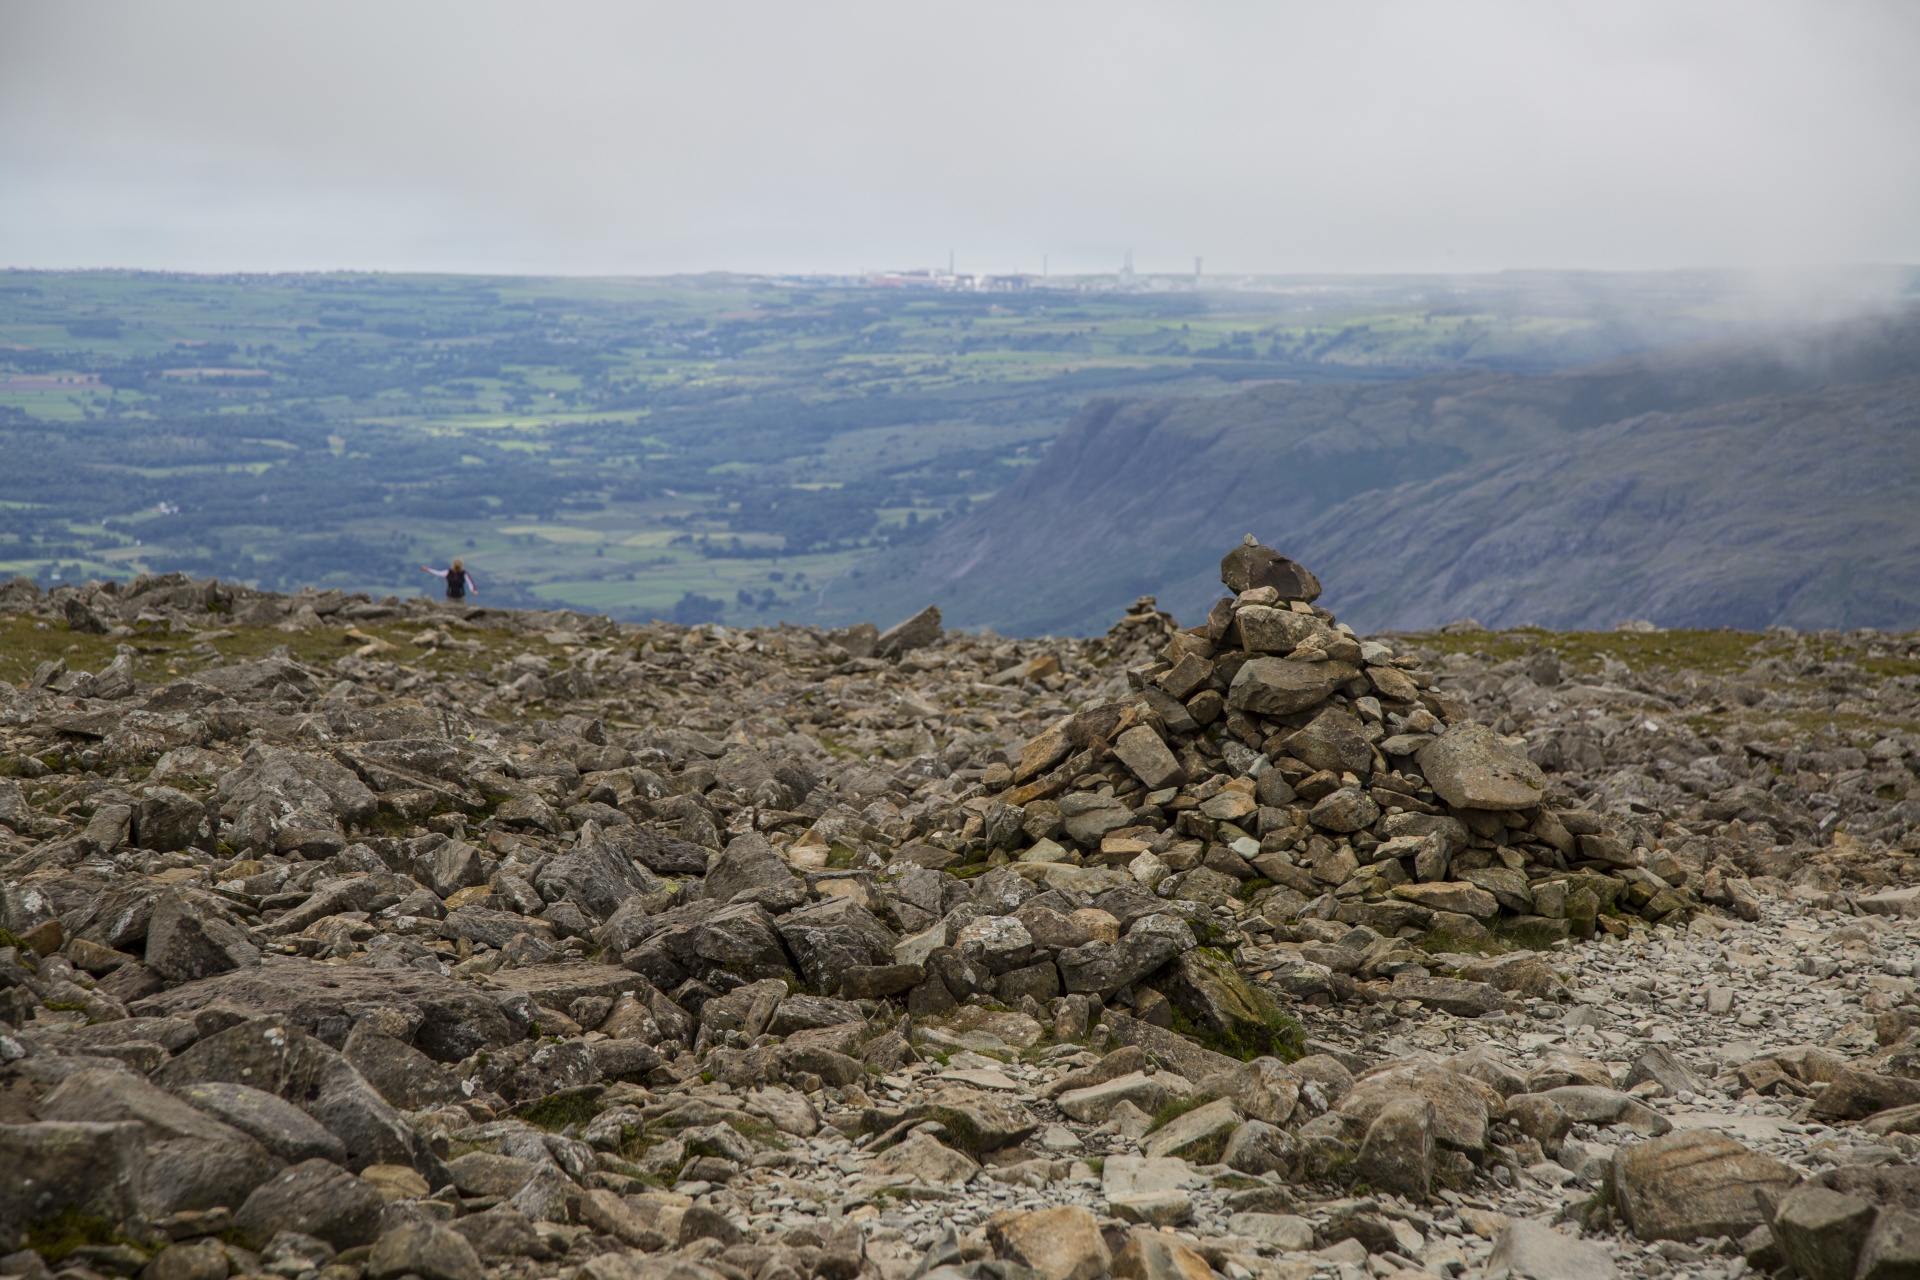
(1571, 499)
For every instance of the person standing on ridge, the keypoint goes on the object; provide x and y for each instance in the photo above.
(459, 581)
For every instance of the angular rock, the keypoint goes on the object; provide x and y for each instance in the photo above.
(424, 1249)
(1450, 995)
(1060, 1244)
(1397, 1152)
(1347, 809)
(186, 940)
(1198, 1136)
(191, 1161)
(1462, 1105)
(741, 940)
(1283, 1231)
(88, 1168)
(266, 1053)
(1663, 1068)
(1334, 740)
(1455, 896)
(832, 937)
(1172, 1049)
(750, 871)
(1590, 1104)
(1892, 1248)
(1821, 1232)
(1540, 1118)
(202, 1260)
(315, 1198)
(1693, 1184)
(1151, 1255)
(1250, 566)
(167, 819)
(1279, 686)
(1142, 751)
(407, 1078)
(921, 1158)
(457, 1021)
(1091, 1104)
(918, 632)
(279, 1126)
(592, 875)
(1257, 1147)
(1104, 967)
(1535, 1251)
(1264, 1089)
(1855, 1094)
(1472, 767)
(1224, 1009)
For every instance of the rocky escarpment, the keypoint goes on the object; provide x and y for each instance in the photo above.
(360, 939)
(1751, 483)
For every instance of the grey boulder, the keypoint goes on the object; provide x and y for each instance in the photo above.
(191, 1161)
(315, 1198)
(273, 1122)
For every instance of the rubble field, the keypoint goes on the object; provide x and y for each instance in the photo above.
(353, 939)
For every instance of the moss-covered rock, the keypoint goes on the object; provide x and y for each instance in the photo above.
(1213, 1002)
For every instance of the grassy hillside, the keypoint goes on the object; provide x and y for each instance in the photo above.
(714, 446)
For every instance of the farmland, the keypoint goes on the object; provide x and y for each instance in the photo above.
(700, 447)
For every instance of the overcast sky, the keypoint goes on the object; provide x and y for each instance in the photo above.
(640, 138)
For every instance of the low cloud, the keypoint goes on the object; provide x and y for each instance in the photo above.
(611, 137)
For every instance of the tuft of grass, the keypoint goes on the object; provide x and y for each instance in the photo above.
(758, 1131)
(1175, 1109)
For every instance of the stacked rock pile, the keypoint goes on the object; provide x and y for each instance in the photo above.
(375, 939)
(1272, 747)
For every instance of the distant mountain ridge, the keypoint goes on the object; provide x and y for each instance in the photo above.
(1744, 484)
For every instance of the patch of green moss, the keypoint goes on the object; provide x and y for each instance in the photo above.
(388, 823)
(1441, 938)
(1274, 1035)
(1256, 1026)
(962, 1133)
(56, 1237)
(239, 1239)
(1236, 1182)
(635, 1143)
(842, 858)
(557, 1111)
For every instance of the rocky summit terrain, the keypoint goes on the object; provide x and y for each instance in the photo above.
(352, 939)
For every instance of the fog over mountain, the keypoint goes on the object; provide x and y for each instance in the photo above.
(1743, 484)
